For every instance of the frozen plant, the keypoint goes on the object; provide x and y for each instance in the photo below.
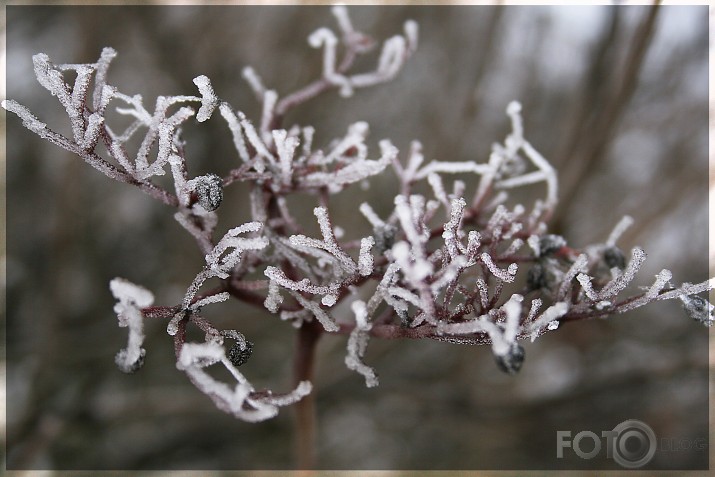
(466, 268)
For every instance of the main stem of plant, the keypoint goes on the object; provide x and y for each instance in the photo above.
(303, 370)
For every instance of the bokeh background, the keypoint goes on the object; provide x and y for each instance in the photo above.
(615, 97)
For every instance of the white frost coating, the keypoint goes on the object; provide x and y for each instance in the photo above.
(411, 29)
(409, 225)
(303, 389)
(130, 299)
(547, 319)
(371, 216)
(166, 130)
(485, 182)
(501, 156)
(235, 128)
(514, 246)
(365, 260)
(178, 172)
(340, 12)
(328, 323)
(415, 271)
(353, 172)
(483, 292)
(394, 52)
(405, 295)
(220, 265)
(278, 276)
(237, 400)
(463, 328)
(687, 289)
(535, 306)
(209, 100)
(200, 354)
(619, 283)
(120, 154)
(548, 172)
(274, 298)
(324, 36)
(355, 138)
(661, 280)
(507, 275)
(392, 57)
(451, 168)
(285, 146)
(330, 243)
(357, 344)
(270, 98)
(130, 294)
(255, 139)
(451, 228)
(435, 181)
(28, 119)
(501, 342)
(585, 282)
(217, 298)
(414, 161)
(449, 274)
(51, 79)
(254, 81)
(100, 78)
(512, 308)
(619, 229)
(579, 266)
(308, 133)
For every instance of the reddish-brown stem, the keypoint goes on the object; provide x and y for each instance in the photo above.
(303, 370)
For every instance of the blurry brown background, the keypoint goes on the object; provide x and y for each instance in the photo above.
(615, 97)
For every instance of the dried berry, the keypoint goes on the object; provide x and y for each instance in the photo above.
(240, 352)
(536, 277)
(699, 309)
(511, 361)
(209, 191)
(614, 258)
(385, 237)
(550, 243)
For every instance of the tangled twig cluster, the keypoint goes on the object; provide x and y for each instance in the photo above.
(451, 266)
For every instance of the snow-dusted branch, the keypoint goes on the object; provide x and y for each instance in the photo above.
(437, 265)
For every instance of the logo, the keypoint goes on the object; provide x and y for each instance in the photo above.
(631, 444)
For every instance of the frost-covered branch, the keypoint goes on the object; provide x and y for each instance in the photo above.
(438, 265)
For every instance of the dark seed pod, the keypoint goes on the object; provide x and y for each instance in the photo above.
(511, 362)
(549, 244)
(384, 237)
(209, 191)
(239, 353)
(536, 277)
(699, 309)
(614, 258)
